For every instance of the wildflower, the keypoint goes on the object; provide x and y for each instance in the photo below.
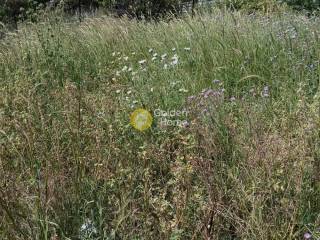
(130, 69)
(173, 84)
(142, 61)
(174, 49)
(150, 50)
(100, 114)
(207, 92)
(133, 53)
(165, 66)
(151, 89)
(126, 58)
(113, 54)
(187, 49)
(153, 59)
(203, 91)
(118, 73)
(118, 91)
(311, 66)
(185, 124)
(129, 92)
(265, 92)
(273, 58)
(125, 68)
(307, 236)
(183, 90)
(216, 81)
(163, 56)
(232, 99)
(155, 55)
(175, 60)
(87, 229)
(190, 98)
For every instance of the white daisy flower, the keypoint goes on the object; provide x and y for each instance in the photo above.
(142, 61)
(175, 60)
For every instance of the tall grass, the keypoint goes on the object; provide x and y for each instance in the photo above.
(246, 166)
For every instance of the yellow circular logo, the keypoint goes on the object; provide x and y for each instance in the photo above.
(141, 119)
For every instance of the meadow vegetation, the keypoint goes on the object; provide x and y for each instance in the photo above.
(245, 166)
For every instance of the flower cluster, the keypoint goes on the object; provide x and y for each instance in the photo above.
(206, 101)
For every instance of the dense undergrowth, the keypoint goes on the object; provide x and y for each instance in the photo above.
(245, 165)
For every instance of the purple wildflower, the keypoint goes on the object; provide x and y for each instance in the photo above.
(208, 93)
(307, 235)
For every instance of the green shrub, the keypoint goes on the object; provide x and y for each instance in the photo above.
(270, 5)
(253, 5)
(304, 4)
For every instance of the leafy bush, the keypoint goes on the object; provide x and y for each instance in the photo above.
(271, 5)
(304, 4)
(253, 5)
(11, 11)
